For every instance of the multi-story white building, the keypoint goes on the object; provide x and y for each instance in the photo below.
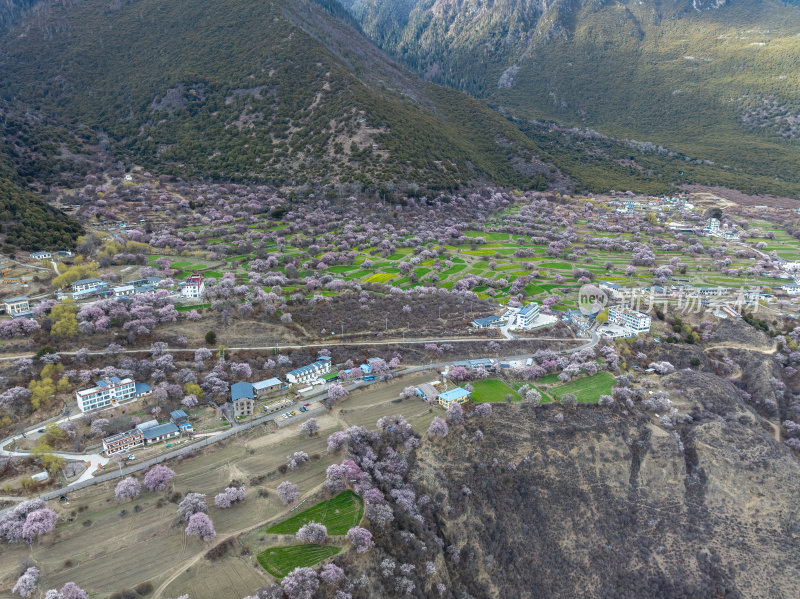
(193, 287)
(305, 374)
(712, 226)
(527, 315)
(107, 392)
(790, 289)
(631, 319)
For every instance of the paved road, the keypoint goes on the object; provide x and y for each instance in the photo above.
(95, 459)
(23, 264)
(176, 350)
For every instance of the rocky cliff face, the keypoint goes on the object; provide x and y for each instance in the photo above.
(608, 502)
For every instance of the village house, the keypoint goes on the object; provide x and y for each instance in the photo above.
(181, 420)
(311, 372)
(242, 399)
(41, 255)
(193, 287)
(107, 392)
(17, 306)
(124, 290)
(458, 395)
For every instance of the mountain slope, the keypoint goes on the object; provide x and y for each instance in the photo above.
(28, 222)
(287, 91)
(707, 79)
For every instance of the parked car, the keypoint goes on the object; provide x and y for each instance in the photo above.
(304, 409)
(131, 457)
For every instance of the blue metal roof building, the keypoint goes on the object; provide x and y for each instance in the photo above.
(458, 395)
(485, 322)
(240, 390)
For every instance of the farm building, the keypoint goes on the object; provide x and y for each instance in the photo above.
(262, 388)
(42, 255)
(458, 395)
(429, 392)
(181, 420)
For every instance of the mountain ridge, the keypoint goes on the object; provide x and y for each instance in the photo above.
(279, 91)
(708, 79)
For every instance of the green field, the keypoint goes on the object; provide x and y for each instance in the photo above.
(491, 390)
(587, 389)
(279, 561)
(339, 514)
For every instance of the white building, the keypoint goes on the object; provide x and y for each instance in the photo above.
(527, 315)
(107, 392)
(790, 289)
(305, 374)
(87, 285)
(41, 255)
(712, 226)
(193, 287)
(124, 290)
(630, 319)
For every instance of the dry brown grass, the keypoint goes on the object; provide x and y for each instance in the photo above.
(117, 552)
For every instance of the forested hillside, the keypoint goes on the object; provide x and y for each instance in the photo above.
(712, 81)
(281, 91)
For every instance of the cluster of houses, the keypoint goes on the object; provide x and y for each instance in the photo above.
(523, 317)
(148, 433)
(652, 204)
(192, 288)
(713, 228)
(94, 287)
